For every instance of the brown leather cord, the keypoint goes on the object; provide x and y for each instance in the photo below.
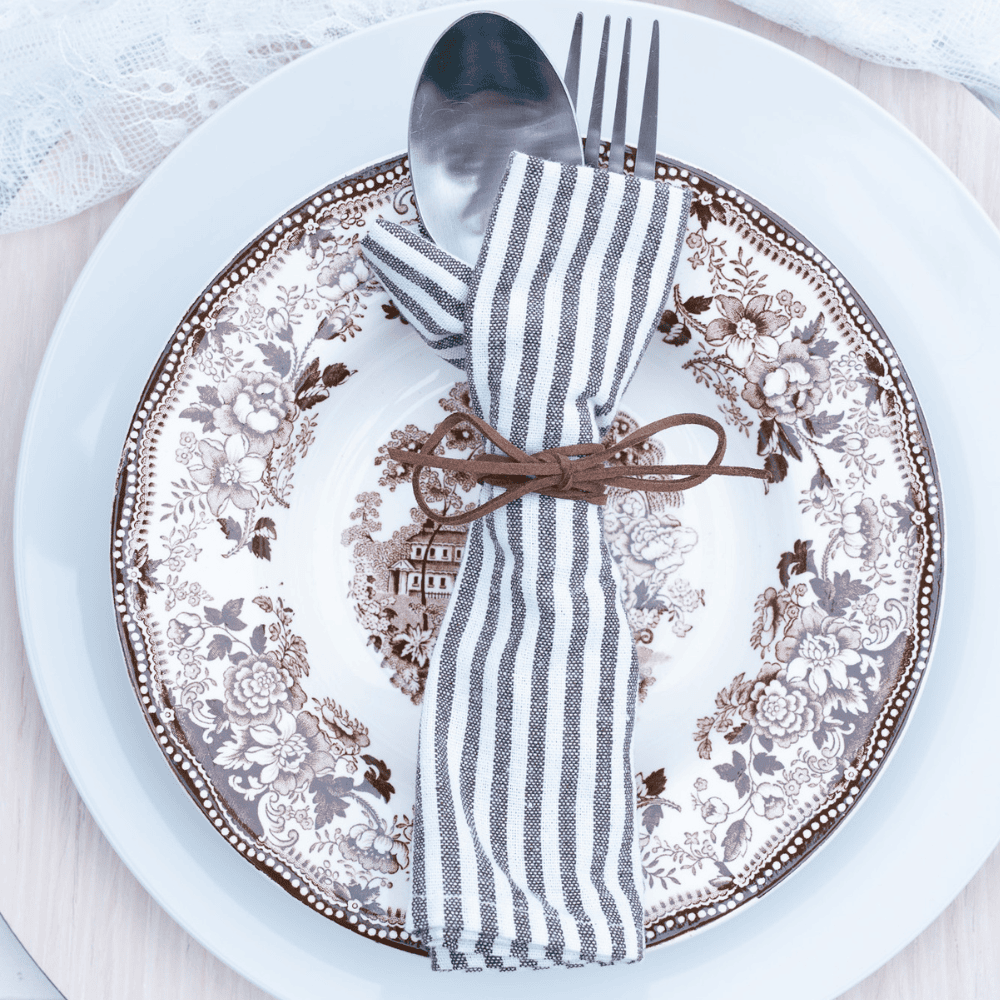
(571, 472)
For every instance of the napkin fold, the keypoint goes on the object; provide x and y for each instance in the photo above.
(525, 851)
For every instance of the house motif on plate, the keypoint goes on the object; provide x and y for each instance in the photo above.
(434, 558)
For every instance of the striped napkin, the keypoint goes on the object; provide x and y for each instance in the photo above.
(525, 851)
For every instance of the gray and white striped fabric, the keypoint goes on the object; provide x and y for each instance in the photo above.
(524, 844)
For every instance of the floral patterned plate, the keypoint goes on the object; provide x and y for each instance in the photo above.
(278, 593)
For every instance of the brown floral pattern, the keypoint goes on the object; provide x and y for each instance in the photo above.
(764, 324)
(284, 773)
(746, 330)
(258, 406)
(252, 702)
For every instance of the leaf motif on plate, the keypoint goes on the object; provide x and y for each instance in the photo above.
(737, 840)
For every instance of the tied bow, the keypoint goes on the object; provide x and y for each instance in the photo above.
(570, 472)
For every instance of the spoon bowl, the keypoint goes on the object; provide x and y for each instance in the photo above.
(486, 90)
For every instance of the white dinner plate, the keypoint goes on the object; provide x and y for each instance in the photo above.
(822, 157)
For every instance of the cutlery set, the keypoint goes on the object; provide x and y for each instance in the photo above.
(487, 90)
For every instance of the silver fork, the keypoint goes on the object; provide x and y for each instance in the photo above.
(645, 158)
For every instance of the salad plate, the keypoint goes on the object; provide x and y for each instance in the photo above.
(804, 145)
(279, 594)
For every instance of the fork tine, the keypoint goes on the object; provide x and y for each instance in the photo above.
(616, 155)
(645, 154)
(592, 150)
(572, 76)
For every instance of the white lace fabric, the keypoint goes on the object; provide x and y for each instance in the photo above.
(95, 93)
(956, 39)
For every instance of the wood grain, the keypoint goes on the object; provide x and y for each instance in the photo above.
(72, 902)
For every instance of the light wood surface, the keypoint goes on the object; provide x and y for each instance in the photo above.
(74, 905)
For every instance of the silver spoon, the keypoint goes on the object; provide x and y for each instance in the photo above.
(486, 90)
